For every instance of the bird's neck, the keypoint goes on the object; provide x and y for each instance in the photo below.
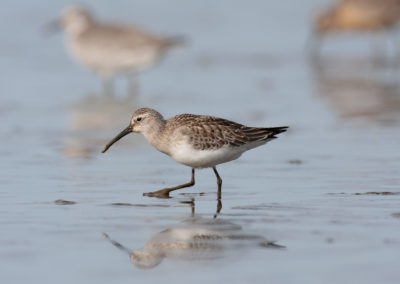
(79, 28)
(156, 136)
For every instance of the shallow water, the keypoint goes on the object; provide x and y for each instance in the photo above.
(327, 190)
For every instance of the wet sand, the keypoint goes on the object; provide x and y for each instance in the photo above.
(327, 190)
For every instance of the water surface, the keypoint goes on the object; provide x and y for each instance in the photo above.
(317, 190)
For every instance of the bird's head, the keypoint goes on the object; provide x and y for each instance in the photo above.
(75, 19)
(144, 259)
(144, 120)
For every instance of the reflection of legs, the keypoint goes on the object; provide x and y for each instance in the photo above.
(219, 182)
(193, 207)
(164, 193)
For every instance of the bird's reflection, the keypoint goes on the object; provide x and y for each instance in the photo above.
(90, 121)
(195, 239)
(358, 89)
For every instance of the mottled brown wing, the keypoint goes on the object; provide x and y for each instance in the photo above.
(378, 13)
(211, 133)
(120, 36)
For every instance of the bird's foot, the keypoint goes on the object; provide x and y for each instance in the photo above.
(162, 193)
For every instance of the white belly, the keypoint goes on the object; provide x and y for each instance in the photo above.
(187, 155)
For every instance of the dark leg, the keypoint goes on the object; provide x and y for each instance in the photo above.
(379, 48)
(395, 42)
(219, 182)
(164, 193)
(133, 85)
(108, 86)
(314, 47)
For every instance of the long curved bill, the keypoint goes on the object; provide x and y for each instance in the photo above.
(117, 244)
(123, 133)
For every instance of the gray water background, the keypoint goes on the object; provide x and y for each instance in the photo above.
(245, 62)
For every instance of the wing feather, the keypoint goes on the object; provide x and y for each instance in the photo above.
(212, 133)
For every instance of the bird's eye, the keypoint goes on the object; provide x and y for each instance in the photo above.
(138, 119)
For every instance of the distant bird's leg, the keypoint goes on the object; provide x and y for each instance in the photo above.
(314, 46)
(379, 49)
(395, 43)
(164, 193)
(133, 84)
(219, 182)
(108, 86)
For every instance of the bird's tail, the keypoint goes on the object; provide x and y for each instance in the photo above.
(276, 130)
(175, 41)
(263, 134)
(271, 244)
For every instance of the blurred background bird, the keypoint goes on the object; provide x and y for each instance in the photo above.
(112, 49)
(355, 16)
